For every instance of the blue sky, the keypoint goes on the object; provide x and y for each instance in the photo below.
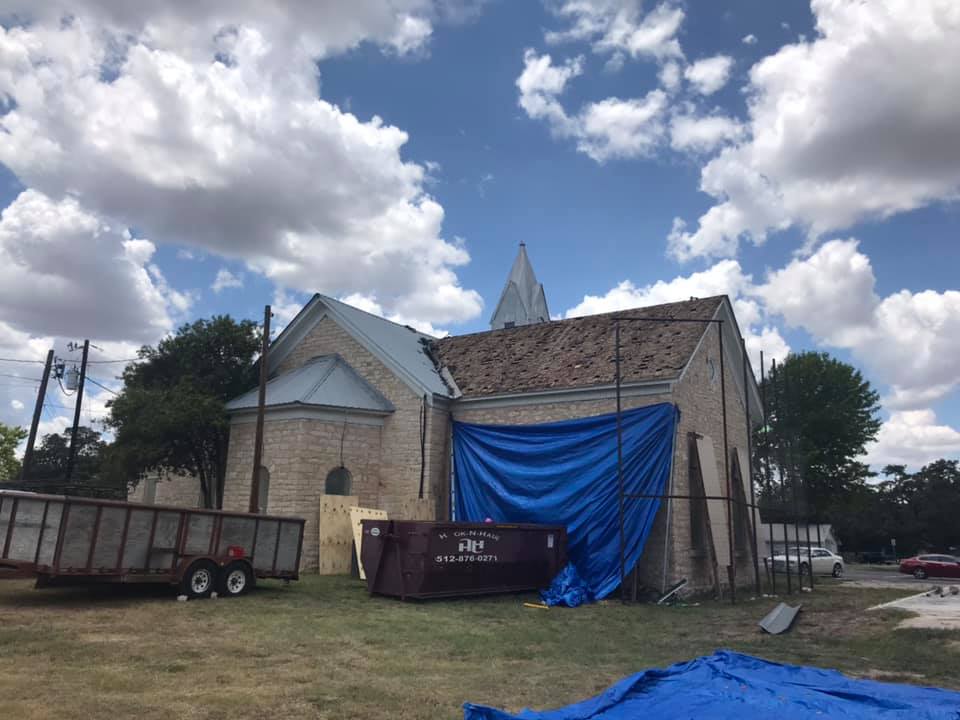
(830, 218)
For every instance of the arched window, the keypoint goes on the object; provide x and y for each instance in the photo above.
(264, 477)
(338, 482)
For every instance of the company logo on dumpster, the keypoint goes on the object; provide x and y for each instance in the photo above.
(471, 546)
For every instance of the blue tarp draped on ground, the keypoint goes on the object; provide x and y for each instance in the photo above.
(565, 473)
(729, 685)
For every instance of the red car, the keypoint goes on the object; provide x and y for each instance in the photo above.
(923, 566)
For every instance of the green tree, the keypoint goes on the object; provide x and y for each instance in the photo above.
(10, 437)
(52, 454)
(170, 414)
(821, 413)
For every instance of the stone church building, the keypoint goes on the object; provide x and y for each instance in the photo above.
(360, 405)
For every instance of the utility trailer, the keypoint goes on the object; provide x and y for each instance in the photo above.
(60, 539)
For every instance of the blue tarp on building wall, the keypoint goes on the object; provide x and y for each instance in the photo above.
(565, 473)
(730, 685)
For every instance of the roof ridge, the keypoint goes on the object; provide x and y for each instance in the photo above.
(610, 313)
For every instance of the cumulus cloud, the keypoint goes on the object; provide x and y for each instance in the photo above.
(912, 438)
(709, 74)
(604, 130)
(703, 133)
(838, 133)
(724, 278)
(226, 279)
(16, 404)
(369, 304)
(750, 39)
(64, 270)
(621, 26)
(200, 124)
(908, 340)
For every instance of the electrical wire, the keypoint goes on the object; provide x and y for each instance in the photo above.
(101, 385)
(63, 389)
(19, 377)
(18, 360)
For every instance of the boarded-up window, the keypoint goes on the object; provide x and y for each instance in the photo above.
(338, 482)
(741, 514)
(264, 477)
(698, 506)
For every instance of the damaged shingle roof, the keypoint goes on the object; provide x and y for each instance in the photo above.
(577, 352)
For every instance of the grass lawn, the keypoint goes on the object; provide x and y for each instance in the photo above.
(322, 648)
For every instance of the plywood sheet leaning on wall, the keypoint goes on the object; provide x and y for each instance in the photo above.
(417, 509)
(336, 534)
(716, 509)
(356, 515)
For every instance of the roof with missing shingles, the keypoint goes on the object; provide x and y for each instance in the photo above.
(577, 352)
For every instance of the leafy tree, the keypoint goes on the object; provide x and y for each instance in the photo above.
(170, 414)
(50, 457)
(821, 413)
(10, 437)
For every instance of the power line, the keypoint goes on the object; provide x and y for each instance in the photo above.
(19, 377)
(90, 379)
(17, 360)
(89, 362)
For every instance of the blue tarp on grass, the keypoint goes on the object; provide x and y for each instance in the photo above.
(565, 473)
(729, 685)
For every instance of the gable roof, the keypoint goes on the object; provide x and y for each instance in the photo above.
(576, 353)
(324, 381)
(401, 348)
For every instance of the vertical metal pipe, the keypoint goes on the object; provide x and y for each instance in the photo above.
(667, 537)
(766, 466)
(792, 474)
(37, 412)
(72, 457)
(616, 362)
(732, 567)
(753, 497)
(781, 460)
(254, 505)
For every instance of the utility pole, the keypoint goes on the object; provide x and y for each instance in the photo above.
(261, 403)
(71, 459)
(37, 412)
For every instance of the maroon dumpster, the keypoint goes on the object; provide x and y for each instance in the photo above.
(415, 559)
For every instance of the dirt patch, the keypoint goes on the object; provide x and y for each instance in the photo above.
(930, 611)
(890, 676)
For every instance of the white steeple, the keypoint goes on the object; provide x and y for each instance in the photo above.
(522, 301)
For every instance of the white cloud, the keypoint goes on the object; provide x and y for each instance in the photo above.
(723, 278)
(369, 304)
(838, 132)
(16, 404)
(750, 39)
(709, 74)
(540, 83)
(913, 438)
(226, 279)
(615, 128)
(64, 271)
(669, 75)
(620, 26)
(704, 133)
(219, 89)
(610, 128)
(908, 340)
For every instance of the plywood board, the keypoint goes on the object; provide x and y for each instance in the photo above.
(713, 486)
(356, 515)
(417, 509)
(335, 534)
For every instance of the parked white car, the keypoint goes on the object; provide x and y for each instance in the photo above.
(822, 560)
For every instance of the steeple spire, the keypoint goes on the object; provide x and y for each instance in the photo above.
(522, 301)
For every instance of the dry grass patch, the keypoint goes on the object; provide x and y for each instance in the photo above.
(322, 648)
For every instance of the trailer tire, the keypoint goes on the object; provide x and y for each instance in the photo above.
(236, 579)
(199, 580)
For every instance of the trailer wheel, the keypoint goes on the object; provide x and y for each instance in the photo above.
(199, 579)
(236, 579)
